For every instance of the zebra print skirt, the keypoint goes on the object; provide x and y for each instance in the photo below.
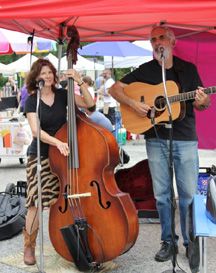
(49, 183)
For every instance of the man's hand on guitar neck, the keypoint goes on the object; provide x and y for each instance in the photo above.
(202, 100)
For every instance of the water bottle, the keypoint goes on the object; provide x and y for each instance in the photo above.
(117, 123)
(120, 132)
(122, 135)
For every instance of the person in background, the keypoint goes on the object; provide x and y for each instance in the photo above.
(96, 116)
(99, 81)
(11, 86)
(23, 97)
(90, 85)
(184, 145)
(110, 103)
(63, 80)
(52, 114)
(10, 91)
(102, 120)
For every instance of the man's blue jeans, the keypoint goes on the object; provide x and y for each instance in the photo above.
(186, 170)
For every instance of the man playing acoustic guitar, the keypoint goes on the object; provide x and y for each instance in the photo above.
(184, 145)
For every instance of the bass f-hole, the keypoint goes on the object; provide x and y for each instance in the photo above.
(108, 203)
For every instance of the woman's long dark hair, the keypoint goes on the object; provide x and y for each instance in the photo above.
(31, 81)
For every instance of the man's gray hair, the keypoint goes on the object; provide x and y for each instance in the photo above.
(168, 30)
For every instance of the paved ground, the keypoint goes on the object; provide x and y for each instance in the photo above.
(140, 259)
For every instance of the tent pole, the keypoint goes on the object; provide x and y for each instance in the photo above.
(113, 76)
(60, 47)
(60, 44)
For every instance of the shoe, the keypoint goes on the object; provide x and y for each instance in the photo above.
(166, 252)
(29, 247)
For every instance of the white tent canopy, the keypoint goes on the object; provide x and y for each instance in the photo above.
(82, 63)
(22, 65)
(53, 59)
(125, 62)
(3, 68)
(144, 44)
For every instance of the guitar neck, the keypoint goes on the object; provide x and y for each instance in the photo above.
(190, 95)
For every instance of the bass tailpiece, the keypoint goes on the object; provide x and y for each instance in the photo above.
(75, 237)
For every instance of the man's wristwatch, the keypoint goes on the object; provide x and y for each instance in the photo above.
(202, 107)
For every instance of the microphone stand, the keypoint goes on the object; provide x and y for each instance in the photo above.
(40, 209)
(172, 201)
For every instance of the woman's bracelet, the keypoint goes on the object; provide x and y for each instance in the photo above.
(81, 83)
(92, 108)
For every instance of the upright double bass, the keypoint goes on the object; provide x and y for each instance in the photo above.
(92, 221)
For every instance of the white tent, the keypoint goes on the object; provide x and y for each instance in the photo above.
(53, 59)
(82, 64)
(3, 68)
(144, 44)
(22, 65)
(125, 62)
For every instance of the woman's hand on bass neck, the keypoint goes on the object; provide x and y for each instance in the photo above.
(72, 73)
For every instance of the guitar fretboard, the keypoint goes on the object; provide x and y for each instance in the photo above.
(190, 95)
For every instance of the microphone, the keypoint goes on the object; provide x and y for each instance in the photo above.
(40, 83)
(161, 49)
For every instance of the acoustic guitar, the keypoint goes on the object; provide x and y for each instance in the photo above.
(153, 95)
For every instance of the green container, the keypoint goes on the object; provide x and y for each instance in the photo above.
(122, 136)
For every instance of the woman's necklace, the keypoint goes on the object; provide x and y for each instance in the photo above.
(48, 97)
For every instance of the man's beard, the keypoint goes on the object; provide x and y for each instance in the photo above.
(161, 52)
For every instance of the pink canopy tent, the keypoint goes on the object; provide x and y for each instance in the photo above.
(203, 54)
(99, 20)
(102, 20)
(21, 43)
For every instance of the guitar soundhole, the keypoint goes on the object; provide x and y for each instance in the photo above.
(160, 103)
